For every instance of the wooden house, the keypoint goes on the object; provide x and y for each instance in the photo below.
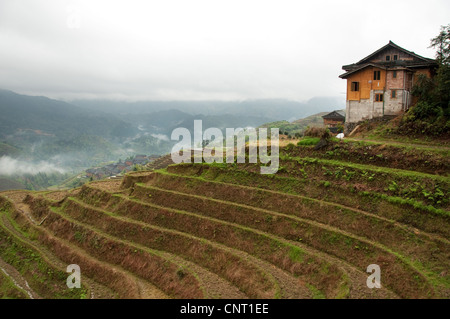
(334, 120)
(381, 83)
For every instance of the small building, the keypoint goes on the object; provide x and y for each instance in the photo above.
(334, 120)
(381, 83)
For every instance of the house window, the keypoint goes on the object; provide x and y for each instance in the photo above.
(376, 75)
(395, 57)
(388, 58)
(394, 75)
(394, 94)
(379, 97)
(355, 86)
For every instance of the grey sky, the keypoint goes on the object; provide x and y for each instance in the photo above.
(201, 49)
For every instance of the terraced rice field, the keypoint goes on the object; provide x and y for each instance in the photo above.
(225, 231)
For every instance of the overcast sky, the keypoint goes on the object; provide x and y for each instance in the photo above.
(201, 49)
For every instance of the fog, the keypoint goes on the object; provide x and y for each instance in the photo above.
(201, 49)
(161, 137)
(10, 166)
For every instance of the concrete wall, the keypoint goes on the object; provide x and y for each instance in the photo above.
(364, 109)
(393, 106)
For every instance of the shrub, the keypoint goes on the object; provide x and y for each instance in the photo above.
(425, 110)
(320, 132)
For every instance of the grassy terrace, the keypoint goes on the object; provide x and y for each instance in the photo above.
(237, 235)
(46, 280)
(251, 280)
(343, 244)
(226, 231)
(141, 261)
(433, 159)
(356, 195)
(355, 221)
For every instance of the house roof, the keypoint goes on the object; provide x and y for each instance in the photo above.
(339, 114)
(419, 62)
(395, 46)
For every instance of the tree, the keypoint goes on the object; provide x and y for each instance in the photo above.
(434, 94)
(442, 45)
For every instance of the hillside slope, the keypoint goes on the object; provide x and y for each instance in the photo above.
(49, 117)
(297, 126)
(226, 231)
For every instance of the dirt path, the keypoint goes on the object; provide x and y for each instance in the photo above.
(17, 279)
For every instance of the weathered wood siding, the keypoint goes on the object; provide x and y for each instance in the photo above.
(366, 83)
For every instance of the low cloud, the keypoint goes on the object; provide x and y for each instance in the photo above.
(10, 166)
(161, 137)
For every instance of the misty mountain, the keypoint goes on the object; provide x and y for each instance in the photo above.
(164, 122)
(270, 109)
(38, 133)
(46, 117)
(8, 150)
(221, 121)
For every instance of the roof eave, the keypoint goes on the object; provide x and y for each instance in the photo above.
(343, 76)
(392, 44)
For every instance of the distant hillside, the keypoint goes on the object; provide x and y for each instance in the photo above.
(8, 150)
(270, 109)
(298, 126)
(47, 117)
(315, 120)
(221, 121)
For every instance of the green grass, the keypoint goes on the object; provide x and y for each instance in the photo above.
(368, 167)
(428, 189)
(308, 141)
(417, 205)
(316, 293)
(8, 290)
(402, 144)
(34, 268)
